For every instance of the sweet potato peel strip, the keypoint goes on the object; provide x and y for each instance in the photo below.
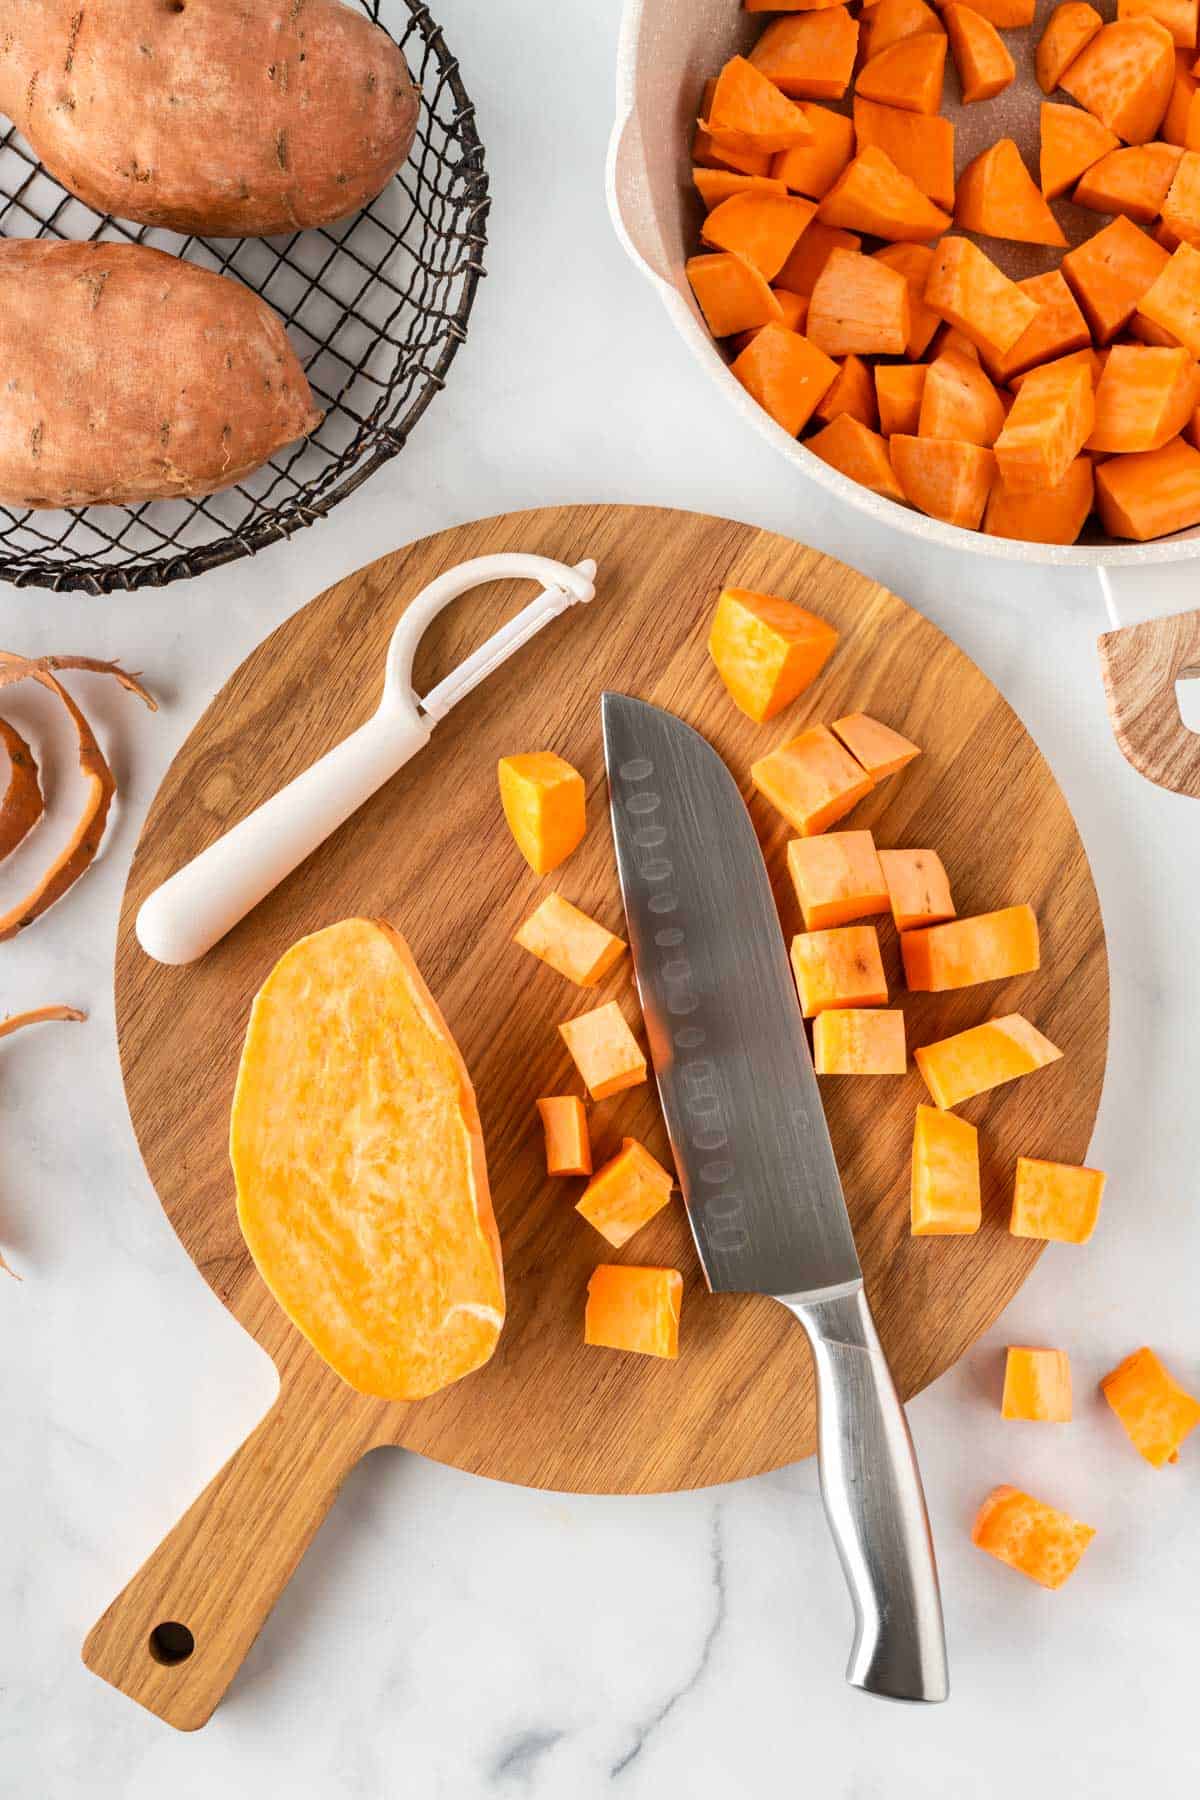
(22, 805)
(39, 1015)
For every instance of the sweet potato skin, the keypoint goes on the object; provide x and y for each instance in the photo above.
(227, 118)
(131, 375)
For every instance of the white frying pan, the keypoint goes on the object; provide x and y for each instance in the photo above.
(668, 48)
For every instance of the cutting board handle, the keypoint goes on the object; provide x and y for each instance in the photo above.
(176, 1636)
(1142, 660)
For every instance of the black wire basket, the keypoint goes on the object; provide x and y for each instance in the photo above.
(375, 307)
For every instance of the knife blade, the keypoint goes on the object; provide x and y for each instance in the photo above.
(755, 1161)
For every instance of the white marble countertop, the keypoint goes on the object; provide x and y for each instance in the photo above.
(449, 1637)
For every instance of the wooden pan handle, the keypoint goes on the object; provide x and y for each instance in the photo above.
(175, 1637)
(1140, 665)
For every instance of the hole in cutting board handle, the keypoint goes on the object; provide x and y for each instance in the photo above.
(171, 1643)
(1187, 697)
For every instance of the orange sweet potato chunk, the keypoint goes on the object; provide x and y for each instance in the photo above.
(1150, 495)
(1181, 208)
(1071, 141)
(1181, 121)
(767, 650)
(1054, 515)
(1178, 16)
(858, 452)
(945, 1191)
(837, 878)
(810, 57)
(921, 147)
(716, 185)
(763, 229)
(1133, 180)
(988, 947)
(813, 168)
(880, 750)
(564, 1123)
(362, 1188)
(1055, 1201)
(634, 1309)
(1037, 1385)
(709, 155)
(747, 112)
(800, 272)
(1156, 1412)
(918, 888)
(731, 295)
(946, 479)
(998, 196)
(860, 306)
(569, 941)
(1059, 329)
(966, 288)
(1144, 398)
(1031, 1537)
(850, 1041)
(1050, 421)
(888, 21)
(786, 373)
(1110, 272)
(604, 1050)
(899, 388)
(544, 802)
(837, 968)
(1124, 77)
(1172, 302)
(626, 1193)
(958, 401)
(812, 780)
(907, 74)
(1069, 29)
(913, 261)
(852, 392)
(872, 195)
(985, 1056)
(984, 65)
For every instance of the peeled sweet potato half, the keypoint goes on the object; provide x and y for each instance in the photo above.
(362, 1187)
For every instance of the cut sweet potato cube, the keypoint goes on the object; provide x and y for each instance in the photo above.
(1054, 515)
(913, 261)
(907, 75)
(1110, 272)
(715, 185)
(1035, 1539)
(1181, 121)
(571, 943)
(800, 272)
(793, 307)
(1051, 420)
(1037, 1385)
(813, 168)
(850, 1041)
(1181, 208)
(568, 1147)
(853, 392)
(709, 155)
(858, 452)
(918, 888)
(1124, 77)
(1071, 141)
(1172, 302)
(858, 305)
(959, 401)
(997, 196)
(747, 112)
(943, 478)
(604, 1050)
(966, 288)
(731, 295)
(880, 750)
(763, 229)
(945, 1194)
(1058, 330)
(872, 195)
(1007, 15)
(1055, 1201)
(810, 56)
(1156, 1412)
(1145, 397)
(838, 968)
(984, 65)
(898, 391)
(1150, 495)
(921, 148)
(544, 803)
(1069, 29)
(971, 1062)
(988, 947)
(812, 780)
(767, 650)
(1178, 16)
(626, 1193)
(837, 878)
(634, 1309)
(1133, 180)
(888, 21)
(786, 374)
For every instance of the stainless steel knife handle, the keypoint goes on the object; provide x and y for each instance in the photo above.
(875, 1504)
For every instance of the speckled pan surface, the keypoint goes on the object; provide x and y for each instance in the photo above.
(668, 48)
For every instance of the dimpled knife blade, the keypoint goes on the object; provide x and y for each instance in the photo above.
(734, 1071)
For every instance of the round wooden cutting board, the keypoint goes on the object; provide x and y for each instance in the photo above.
(431, 853)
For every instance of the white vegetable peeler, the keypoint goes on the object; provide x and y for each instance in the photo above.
(191, 911)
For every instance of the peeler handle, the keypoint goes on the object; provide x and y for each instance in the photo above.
(208, 896)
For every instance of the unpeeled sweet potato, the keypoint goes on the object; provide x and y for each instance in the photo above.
(225, 118)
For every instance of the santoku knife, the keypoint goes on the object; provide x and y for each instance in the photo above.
(755, 1162)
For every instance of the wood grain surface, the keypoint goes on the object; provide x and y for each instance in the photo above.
(430, 852)
(1140, 665)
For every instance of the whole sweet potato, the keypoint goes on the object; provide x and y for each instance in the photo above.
(127, 375)
(228, 118)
